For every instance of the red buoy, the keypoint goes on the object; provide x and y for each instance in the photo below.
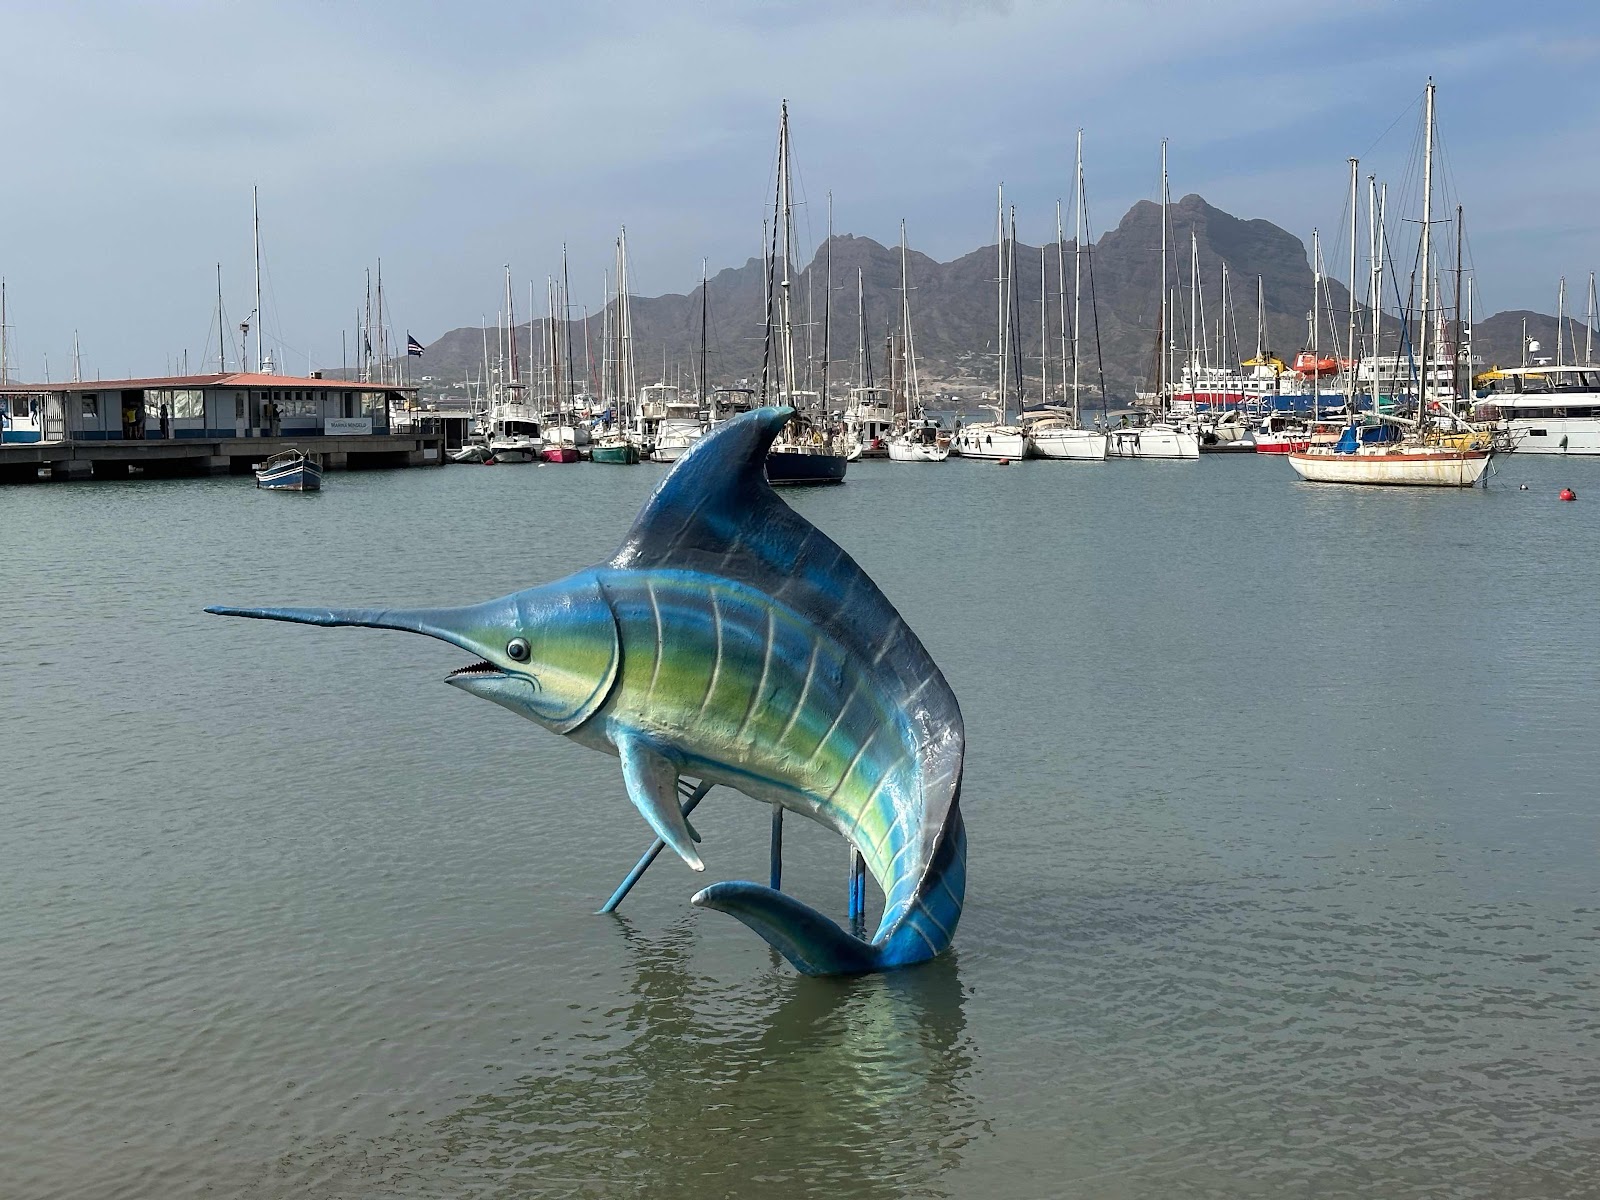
(1568, 494)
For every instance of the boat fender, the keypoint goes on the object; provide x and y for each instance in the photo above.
(1568, 494)
(1005, 462)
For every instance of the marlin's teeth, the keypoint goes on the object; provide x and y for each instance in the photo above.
(477, 668)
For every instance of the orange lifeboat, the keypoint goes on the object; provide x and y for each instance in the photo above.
(1308, 364)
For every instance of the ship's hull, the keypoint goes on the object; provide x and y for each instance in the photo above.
(1394, 468)
(1084, 445)
(791, 468)
(1153, 441)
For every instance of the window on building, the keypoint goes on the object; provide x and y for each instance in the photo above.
(91, 404)
(188, 404)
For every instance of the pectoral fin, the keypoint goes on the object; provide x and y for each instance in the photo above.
(653, 787)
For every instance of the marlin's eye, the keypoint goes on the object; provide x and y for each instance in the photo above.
(517, 650)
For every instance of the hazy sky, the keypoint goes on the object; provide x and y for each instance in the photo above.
(451, 139)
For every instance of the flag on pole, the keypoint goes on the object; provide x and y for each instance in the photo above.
(413, 347)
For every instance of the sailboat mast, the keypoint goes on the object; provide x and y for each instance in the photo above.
(1316, 295)
(255, 222)
(1077, 281)
(907, 350)
(1044, 331)
(1166, 339)
(1375, 280)
(5, 348)
(1061, 284)
(222, 353)
(1000, 296)
(510, 355)
(566, 328)
(1350, 336)
(705, 309)
(786, 215)
(1423, 258)
(1196, 330)
(1013, 308)
(1225, 300)
(1455, 357)
(1561, 322)
(863, 347)
(827, 307)
(1261, 319)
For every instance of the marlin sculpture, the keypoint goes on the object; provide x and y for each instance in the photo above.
(731, 641)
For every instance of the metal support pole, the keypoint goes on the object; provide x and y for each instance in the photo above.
(656, 847)
(777, 848)
(858, 892)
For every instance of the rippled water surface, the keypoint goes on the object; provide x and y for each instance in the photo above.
(1283, 813)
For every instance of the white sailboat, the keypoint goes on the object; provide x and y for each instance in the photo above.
(921, 440)
(1155, 436)
(1428, 455)
(997, 439)
(869, 411)
(804, 454)
(1062, 434)
(515, 426)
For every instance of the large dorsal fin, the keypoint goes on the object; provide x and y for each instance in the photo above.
(716, 513)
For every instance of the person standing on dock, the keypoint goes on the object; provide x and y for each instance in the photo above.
(166, 423)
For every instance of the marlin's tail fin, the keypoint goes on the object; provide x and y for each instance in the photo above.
(817, 945)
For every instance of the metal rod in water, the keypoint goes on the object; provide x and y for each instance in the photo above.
(858, 892)
(656, 847)
(777, 848)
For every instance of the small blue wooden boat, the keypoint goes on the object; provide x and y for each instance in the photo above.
(289, 471)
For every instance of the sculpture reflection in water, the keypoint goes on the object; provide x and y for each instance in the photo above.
(698, 1087)
(732, 642)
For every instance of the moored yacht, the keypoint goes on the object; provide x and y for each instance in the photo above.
(1148, 436)
(680, 425)
(923, 440)
(1545, 409)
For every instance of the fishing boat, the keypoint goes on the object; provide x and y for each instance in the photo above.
(804, 453)
(289, 471)
(999, 439)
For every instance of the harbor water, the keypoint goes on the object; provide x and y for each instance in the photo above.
(1283, 855)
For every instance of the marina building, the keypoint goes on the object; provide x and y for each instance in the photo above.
(198, 424)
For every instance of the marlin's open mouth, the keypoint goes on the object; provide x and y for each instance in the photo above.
(477, 668)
